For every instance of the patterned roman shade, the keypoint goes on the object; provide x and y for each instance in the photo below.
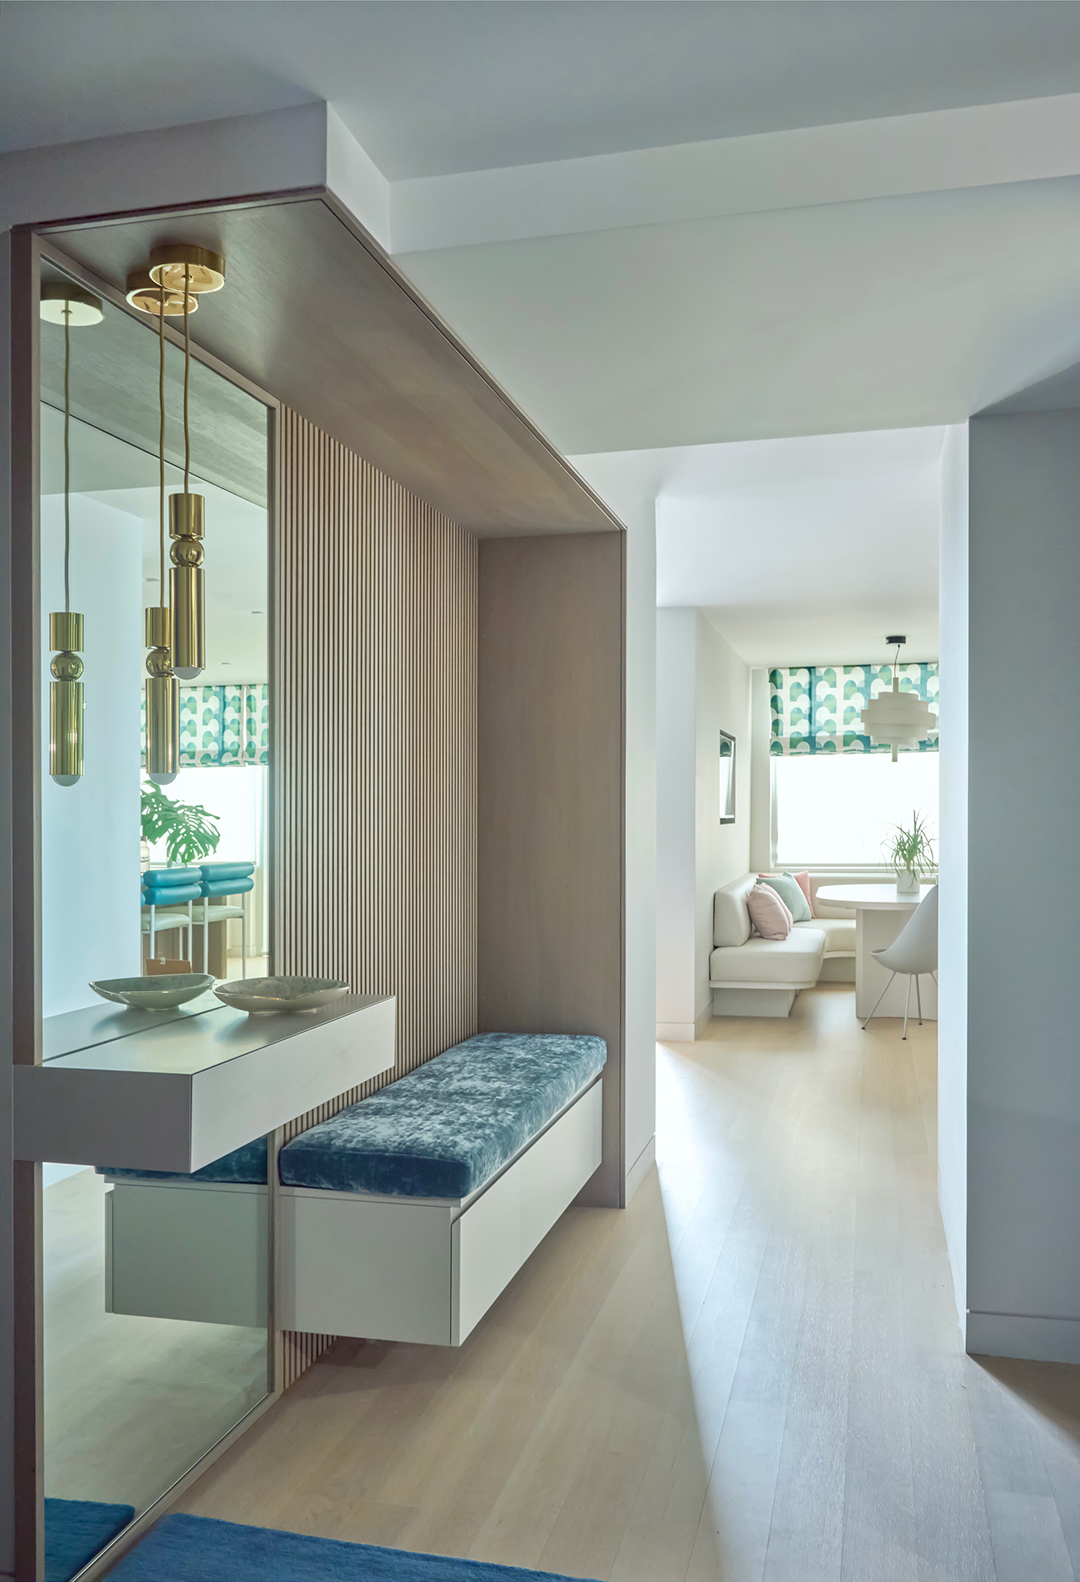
(221, 727)
(817, 708)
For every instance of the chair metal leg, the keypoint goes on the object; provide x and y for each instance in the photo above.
(907, 1003)
(205, 934)
(153, 915)
(190, 932)
(878, 1001)
(918, 998)
(243, 938)
(934, 976)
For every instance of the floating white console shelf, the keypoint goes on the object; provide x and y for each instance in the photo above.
(181, 1093)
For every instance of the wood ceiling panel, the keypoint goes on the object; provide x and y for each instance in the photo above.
(313, 315)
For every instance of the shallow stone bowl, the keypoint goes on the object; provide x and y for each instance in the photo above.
(265, 996)
(157, 993)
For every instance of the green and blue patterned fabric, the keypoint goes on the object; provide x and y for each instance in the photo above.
(221, 727)
(818, 708)
(447, 1127)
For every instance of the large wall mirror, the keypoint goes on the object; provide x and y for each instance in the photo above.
(144, 1371)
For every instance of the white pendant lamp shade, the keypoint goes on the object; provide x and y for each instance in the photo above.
(897, 719)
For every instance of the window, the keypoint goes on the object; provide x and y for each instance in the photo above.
(838, 808)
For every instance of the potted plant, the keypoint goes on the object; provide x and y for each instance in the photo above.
(189, 831)
(910, 851)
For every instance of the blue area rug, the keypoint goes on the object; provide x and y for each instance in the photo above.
(199, 1549)
(74, 1532)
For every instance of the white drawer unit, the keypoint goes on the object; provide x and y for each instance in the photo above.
(427, 1269)
(187, 1249)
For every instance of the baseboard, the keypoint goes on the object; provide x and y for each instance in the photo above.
(1033, 1339)
(639, 1169)
(753, 1002)
(676, 1032)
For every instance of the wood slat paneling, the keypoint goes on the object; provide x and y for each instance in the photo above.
(551, 757)
(373, 752)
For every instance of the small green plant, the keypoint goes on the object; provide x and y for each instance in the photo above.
(189, 831)
(911, 849)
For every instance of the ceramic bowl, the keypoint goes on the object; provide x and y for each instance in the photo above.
(159, 993)
(259, 996)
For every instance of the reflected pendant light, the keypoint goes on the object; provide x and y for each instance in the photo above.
(162, 687)
(188, 271)
(146, 295)
(67, 305)
(897, 719)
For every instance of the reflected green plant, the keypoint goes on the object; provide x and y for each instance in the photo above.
(188, 830)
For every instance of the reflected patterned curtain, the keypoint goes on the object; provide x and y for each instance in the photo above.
(221, 727)
(817, 708)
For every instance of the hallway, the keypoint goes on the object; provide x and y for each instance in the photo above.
(753, 1373)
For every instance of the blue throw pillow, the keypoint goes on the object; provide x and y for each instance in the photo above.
(790, 892)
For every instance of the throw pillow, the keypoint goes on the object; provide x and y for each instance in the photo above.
(790, 893)
(769, 915)
(803, 881)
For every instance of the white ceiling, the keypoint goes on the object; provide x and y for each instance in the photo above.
(802, 551)
(680, 235)
(885, 313)
(430, 88)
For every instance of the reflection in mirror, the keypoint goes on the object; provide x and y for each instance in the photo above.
(155, 1287)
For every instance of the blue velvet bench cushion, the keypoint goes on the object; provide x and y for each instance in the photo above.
(246, 1165)
(446, 1128)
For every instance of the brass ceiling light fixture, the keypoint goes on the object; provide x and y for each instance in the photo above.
(146, 295)
(187, 271)
(68, 305)
(162, 687)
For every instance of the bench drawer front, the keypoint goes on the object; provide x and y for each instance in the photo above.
(497, 1233)
(378, 1271)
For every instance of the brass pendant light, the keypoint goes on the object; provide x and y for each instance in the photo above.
(162, 687)
(187, 525)
(179, 266)
(67, 305)
(187, 272)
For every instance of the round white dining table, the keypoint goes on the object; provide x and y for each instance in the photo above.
(881, 910)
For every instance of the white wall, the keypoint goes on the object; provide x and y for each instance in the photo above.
(953, 861)
(635, 506)
(761, 800)
(703, 687)
(676, 820)
(1023, 1249)
(90, 831)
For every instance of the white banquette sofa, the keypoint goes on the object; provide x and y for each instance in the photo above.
(751, 976)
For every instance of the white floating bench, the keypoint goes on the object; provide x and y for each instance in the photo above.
(401, 1218)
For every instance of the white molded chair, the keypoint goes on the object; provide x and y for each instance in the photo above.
(196, 914)
(914, 951)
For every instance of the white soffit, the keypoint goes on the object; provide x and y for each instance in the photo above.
(800, 551)
(979, 145)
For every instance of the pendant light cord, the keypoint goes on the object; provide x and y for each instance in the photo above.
(67, 458)
(161, 445)
(187, 370)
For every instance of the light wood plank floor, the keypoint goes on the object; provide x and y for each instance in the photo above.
(753, 1373)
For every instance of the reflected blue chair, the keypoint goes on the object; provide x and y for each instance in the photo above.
(167, 895)
(223, 879)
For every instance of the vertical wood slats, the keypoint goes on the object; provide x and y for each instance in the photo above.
(373, 753)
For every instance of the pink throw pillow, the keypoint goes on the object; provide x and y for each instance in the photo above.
(769, 915)
(803, 881)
